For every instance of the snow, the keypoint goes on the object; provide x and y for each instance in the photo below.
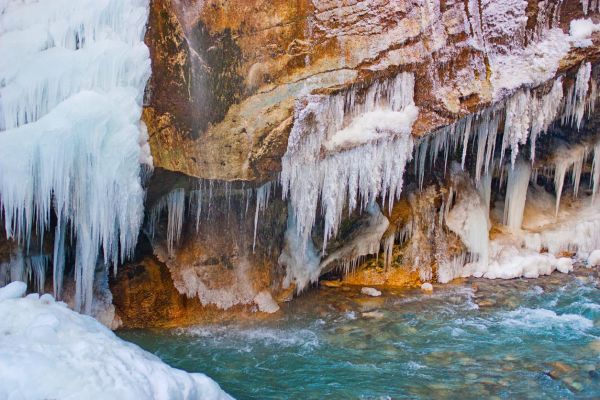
(582, 29)
(369, 291)
(531, 66)
(48, 351)
(13, 290)
(373, 126)
(73, 75)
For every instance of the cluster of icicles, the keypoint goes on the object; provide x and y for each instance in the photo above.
(73, 75)
(372, 165)
(198, 203)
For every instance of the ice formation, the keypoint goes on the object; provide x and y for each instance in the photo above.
(174, 204)
(576, 100)
(364, 159)
(533, 248)
(590, 6)
(48, 351)
(568, 157)
(301, 261)
(364, 240)
(468, 218)
(262, 201)
(516, 195)
(70, 136)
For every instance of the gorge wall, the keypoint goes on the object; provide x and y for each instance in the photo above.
(411, 141)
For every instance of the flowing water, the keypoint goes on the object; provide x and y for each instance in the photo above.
(478, 339)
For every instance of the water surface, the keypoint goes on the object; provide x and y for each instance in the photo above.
(509, 339)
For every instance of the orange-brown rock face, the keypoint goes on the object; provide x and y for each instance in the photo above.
(226, 74)
(229, 79)
(144, 296)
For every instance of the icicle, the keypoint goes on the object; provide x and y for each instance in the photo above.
(590, 6)
(174, 203)
(198, 207)
(544, 112)
(59, 257)
(39, 265)
(262, 201)
(388, 250)
(592, 98)
(485, 191)
(596, 172)
(176, 211)
(565, 158)
(486, 132)
(516, 194)
(517, 123)
(577, 97)
(466, 133)
(420, 157)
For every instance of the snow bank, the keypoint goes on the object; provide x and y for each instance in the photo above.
(48, 351)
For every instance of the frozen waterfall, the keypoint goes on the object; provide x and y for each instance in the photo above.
(347, 151)
(71, 142)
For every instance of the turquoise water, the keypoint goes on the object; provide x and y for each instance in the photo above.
(481, 339)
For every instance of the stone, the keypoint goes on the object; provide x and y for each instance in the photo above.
(369, 291)
(331, 284)
(427, 287)
(265, 302)
(373, 314)
(486, 303)
(595, 346)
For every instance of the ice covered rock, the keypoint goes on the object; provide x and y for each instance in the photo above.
(593, 259)
(564, 265)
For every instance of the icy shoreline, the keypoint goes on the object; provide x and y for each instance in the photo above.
(50, 351)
